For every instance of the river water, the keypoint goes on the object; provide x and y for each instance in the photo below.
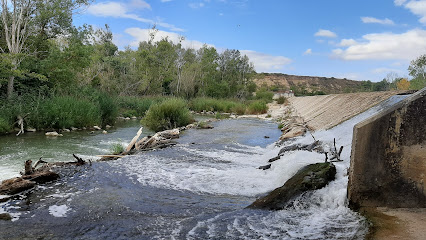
(197, 189)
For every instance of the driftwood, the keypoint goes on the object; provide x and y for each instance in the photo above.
(134, 140)
(20, 122)
(335, 154)
(33, 175)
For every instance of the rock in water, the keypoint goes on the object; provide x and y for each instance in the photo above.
(311, 177)
(5, 216)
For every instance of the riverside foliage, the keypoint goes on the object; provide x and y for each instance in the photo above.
(52, 74)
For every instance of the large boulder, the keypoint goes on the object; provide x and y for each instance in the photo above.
(311, 177)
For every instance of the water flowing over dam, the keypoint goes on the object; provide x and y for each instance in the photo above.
(198, 189)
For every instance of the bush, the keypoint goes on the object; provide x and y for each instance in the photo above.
(168, 114)
(281, 100)
(265, 96)
(5, 126)
(257, 107)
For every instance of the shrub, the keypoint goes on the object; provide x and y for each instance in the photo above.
(257, 107)
(281, 100)
(5, 126)
(168, 114)
(265, 96)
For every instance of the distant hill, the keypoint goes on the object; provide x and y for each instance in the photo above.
(306, 84)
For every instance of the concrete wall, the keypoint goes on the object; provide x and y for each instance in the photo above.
(388, 160)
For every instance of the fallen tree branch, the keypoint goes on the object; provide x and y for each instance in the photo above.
(134, 140)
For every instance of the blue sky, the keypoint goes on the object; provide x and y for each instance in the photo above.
(354, 39)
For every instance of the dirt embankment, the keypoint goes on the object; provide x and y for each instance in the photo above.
(326, 111)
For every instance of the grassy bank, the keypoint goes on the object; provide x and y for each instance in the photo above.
(90, 107)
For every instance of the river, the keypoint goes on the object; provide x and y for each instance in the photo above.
(197, 189)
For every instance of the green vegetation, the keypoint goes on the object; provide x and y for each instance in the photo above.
(87, 80)
(66, 112)
(264, 95)
(239, 109)
(168, 114)
(281, 100)
(257, 107)
(135, 106)
(211, 104)
(117, 148)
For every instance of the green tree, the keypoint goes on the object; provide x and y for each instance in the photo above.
(23, 20)
(417, 70)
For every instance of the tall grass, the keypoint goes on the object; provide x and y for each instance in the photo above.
(108, 109)
(257, 107)
(66, 112)
(169, 114)
(134, 106)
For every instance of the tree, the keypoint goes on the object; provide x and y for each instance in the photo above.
(403, 84)
(24, 19)
(417, 70)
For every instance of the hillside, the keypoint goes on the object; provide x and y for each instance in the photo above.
(280, 81)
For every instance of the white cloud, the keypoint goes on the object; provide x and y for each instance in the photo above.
(385, 70)
(308, 52)
(416, 7)
(325, 33)
(141, 35)
(347, 42)
(139, 4)
(121, 10)
(196, 5)
(166, 0)
(386, 46)
(385, 21)
(265, 62)
(399, 2)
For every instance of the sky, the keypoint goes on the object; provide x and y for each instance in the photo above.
(353, 39)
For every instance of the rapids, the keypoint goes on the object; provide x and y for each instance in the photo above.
(197, 189)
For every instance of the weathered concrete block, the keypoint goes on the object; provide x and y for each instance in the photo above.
(388, 159)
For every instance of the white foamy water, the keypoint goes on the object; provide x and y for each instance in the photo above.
(59, 211)
(322, 214)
